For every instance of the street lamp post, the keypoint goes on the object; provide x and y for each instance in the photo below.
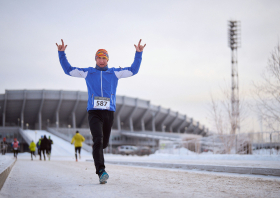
(27, 125)
(69, 126)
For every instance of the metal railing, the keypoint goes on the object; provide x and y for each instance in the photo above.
(68, 138)
(262, 143)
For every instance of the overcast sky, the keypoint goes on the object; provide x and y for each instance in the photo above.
(186, 58)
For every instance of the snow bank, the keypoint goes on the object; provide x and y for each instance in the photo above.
(185, 154)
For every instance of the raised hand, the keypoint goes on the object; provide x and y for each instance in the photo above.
(140, 48)
(61, 47)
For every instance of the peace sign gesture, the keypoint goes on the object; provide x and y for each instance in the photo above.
(61, 47)
(140, 48)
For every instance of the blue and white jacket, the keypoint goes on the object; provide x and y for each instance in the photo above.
(101, 83)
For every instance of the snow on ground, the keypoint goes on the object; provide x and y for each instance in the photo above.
(63, 177)
(78, 179)
(185, 154)
(60, 147)
(5, 161)
(201, 161)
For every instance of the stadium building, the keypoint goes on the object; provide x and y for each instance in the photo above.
(137, 121)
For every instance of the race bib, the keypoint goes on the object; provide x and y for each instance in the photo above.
(101, 103)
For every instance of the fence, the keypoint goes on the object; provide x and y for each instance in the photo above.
(262, 143)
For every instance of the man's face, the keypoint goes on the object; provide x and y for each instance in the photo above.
(101, 61)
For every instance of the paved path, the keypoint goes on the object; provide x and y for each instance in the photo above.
(77, 179)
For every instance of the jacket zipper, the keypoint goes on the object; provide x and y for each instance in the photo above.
(101, 84)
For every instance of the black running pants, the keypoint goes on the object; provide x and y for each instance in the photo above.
(100, 123)
(15, 153)
(77, 149)
(43, 151)
(32, 153)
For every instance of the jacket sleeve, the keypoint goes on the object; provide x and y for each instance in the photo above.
(83, 139)
(73, 139)
(68, 69)
(130, 71)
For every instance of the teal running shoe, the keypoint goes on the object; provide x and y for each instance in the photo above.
(103, 176)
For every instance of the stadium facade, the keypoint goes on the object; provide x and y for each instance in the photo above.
(65, 111)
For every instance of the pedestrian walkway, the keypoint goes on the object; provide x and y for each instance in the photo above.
(78, 179)
(67, 178)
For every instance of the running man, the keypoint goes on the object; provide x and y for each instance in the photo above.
(102, 86)
(78, 139)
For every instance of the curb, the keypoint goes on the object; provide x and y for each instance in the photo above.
(5, 174)
(211, 168)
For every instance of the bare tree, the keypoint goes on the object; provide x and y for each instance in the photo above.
(267, 92)
(221, 117)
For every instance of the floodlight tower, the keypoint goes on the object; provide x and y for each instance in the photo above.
(234, 43)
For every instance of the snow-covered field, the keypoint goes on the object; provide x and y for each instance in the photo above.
(183, 153)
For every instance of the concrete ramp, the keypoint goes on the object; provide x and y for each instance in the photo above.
(60, 147)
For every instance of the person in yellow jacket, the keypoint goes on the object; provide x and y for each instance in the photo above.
(78, 139)
(32, 148)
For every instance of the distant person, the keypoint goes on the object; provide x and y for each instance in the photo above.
(49, 150)
(15, 146)
(102, 83)
(4, 146)
(38, 146)
(32, 148)
(44, 146)
(78, 139)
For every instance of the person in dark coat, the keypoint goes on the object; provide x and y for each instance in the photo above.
(38, 146)
(44, 146)
(49, 148)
